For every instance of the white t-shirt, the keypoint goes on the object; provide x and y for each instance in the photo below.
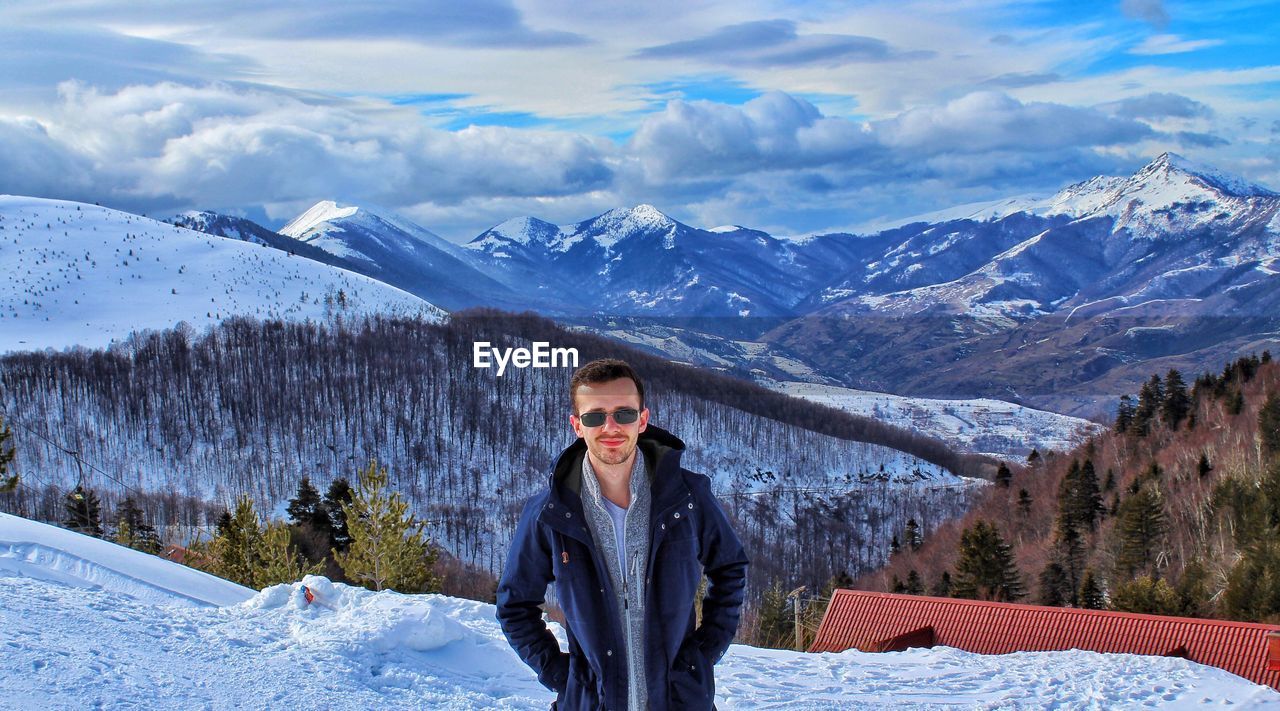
(619, 516)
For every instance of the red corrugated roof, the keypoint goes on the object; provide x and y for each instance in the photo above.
(871, 621)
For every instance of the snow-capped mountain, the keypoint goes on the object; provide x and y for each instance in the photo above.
(71, 641)
(991, 427)
(1177, 262)
(922, 308)
(85, 275)
(1171, 193)
(232, 227)
(394, 250)
(639, 261)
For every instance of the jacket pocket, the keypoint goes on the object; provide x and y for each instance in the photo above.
(580, 690)
(690, 684)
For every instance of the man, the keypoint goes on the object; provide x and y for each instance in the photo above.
(626, 534)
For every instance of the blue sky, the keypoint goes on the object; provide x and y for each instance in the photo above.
(793, 117)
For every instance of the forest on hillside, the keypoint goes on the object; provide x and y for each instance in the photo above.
(1174, 510)
(184, 424)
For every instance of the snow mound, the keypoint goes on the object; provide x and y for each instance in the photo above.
(345, 617)
(35, 550)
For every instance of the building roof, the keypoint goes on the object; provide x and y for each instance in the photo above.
(878, 622)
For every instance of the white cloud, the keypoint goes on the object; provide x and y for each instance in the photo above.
(1171, 44)
(34, 163)
(222, 146)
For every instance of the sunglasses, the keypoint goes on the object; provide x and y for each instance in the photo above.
(625, 416)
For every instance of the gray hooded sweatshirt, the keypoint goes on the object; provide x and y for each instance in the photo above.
(625, 553)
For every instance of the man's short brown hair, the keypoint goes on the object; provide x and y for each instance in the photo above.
(602, 371)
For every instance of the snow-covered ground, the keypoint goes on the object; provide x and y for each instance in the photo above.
(68, 643)
(78, 274)
(984, 426)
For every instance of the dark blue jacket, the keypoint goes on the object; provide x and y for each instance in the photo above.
(689, 533)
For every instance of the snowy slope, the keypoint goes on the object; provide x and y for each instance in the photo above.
(70, 648)
(85, 275)
(37, 550)
(984, 426)
(387, 247)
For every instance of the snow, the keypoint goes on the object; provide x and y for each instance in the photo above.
(318, 216)
(38, 550)
(71, 647)
(1166, 180)
(619, 223)
(976, 211)
(324, 222)
(1144, 203)
(985, 426)
(86, 275)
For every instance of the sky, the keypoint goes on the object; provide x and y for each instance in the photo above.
(793, 117)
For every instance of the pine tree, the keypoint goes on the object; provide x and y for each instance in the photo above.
(1141, 527)
(1091, 597)
(338, 495)
(1066, 493)
(1069, 553)
(914, 586)
(894, 545)
(1176, 403)
(1193, 590)
(985, 569)
(1203, 468)
(1145, 595)
(83, 511)
(306, 508)
(1053, 583)
(279, 561)
(943, 587)
(1253, 585)
(312, 530)
(1269, 425)
(235, 550)
(388, 549)
(133, 531)
(247, 553)
(1235, 402)
(1124, 414)
(1079, 499)
(912, 535)
(1087, 504)
(1003, 476)
(1033, 458)
(1024, 503)
(775, 624)
(8, 482)
(223, 524)
(1150, 399)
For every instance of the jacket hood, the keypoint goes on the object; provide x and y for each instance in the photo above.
(660, 450)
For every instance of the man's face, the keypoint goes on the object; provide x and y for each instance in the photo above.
(610, 443)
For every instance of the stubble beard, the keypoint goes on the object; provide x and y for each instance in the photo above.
(615, 456)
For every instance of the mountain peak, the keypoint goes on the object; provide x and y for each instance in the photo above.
(317, 214)
(1169, 167)
(643, 215)
(518, 230)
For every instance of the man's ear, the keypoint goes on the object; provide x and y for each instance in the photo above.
(577, 427)
(644, 419)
